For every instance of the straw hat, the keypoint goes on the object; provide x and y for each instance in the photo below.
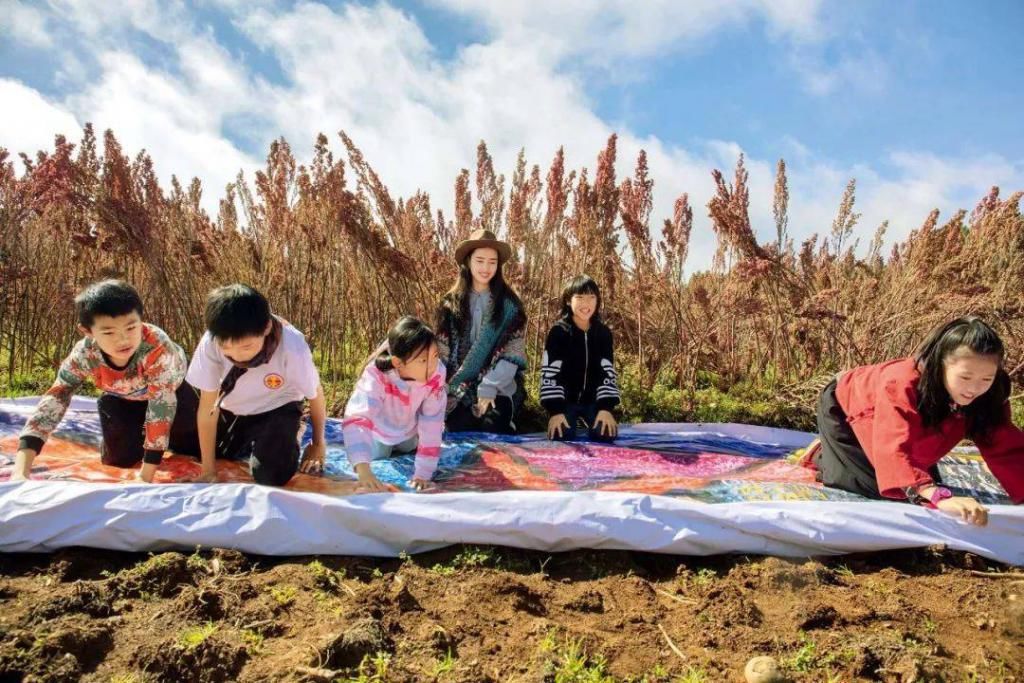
(482, 238)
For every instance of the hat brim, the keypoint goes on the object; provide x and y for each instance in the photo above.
(465, 248)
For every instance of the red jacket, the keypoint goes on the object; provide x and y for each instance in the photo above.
(880, 402)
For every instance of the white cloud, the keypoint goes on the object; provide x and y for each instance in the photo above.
(176, 111)
(178, 124)
(28, 121)
(24, 24)
(372, 71)
(615, 28)
(104, 21)
(861, 69)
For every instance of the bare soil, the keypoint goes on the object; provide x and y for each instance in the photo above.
(496, 614)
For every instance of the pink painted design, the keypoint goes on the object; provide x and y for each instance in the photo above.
(357, 421)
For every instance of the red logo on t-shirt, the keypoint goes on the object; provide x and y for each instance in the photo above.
(273, 381)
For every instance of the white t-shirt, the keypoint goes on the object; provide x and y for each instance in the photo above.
(289, 375)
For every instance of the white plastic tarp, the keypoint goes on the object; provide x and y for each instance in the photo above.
(46, 515)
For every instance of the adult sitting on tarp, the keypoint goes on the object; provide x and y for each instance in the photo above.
(480, 327)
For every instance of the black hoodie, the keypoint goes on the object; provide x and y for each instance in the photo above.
(578, 368)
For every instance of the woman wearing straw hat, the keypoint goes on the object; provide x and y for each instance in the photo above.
(481, 329)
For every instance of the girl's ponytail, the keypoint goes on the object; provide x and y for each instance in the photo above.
(382, 361)
(407, 336)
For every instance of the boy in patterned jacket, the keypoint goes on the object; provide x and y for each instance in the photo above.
(137, 367)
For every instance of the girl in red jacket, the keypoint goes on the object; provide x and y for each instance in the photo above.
(884, 427)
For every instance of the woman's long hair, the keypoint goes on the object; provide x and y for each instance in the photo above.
(453, 312)
(986, 411)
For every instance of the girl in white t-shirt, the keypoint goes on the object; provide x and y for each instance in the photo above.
(253, 371)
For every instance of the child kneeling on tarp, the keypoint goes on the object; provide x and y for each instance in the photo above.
(578, 380)
(253, 371)
(398, 405)
(883, 428)
(138, 369)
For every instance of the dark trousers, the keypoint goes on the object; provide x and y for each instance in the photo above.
(498, 420)
(269, 440)
(586, 413)
(123, 425)
(841, 462)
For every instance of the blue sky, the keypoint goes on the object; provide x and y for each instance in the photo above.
(920, 101)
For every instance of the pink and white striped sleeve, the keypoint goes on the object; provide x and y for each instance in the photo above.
(362, 408)
(430, 427)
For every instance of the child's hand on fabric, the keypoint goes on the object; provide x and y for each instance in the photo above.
(204, 477)
(483, 405)
(422, 484)
(368, 481)
(22, 465)
(967, 508)
(147, 472)
(313, 458)
(557, 424)
(605, 424)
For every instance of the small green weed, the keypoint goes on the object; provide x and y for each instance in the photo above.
(445, 665)
(372, 669)
(806, 657)
(253, 641)
(284, 595)
(193, 637)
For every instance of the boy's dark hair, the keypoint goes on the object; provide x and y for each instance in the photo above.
(406, 338)
(581, 284)
(933, 403)
(112, 298)
(236, 311)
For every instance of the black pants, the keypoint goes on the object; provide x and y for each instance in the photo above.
(587, 412)
(498, 420)
(269, 440)
(123, 425)
(841, 462)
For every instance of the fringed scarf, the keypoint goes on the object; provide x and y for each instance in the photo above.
(489, 348)
(270, 344)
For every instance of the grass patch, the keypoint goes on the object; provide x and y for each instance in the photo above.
(253, 641)
(284, 595)
(692, 675)
(193, 637)
(372, 669)
(806, 656)
(571, 663)
(445, 665)
(326, 578)
(470, 557)
(126, 678)
(844, 571)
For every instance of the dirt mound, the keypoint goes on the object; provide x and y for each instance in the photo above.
(59, 652)
(189, 658)
(816, 616)
(204, 603)
(470, 614)
(888, 657)
(362, 640)
(161, 575)
(588, 600)
(84, 598)
(729, 607)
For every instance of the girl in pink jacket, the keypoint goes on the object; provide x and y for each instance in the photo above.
(398, 406)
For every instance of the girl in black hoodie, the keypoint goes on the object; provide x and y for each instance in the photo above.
(578, 380)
